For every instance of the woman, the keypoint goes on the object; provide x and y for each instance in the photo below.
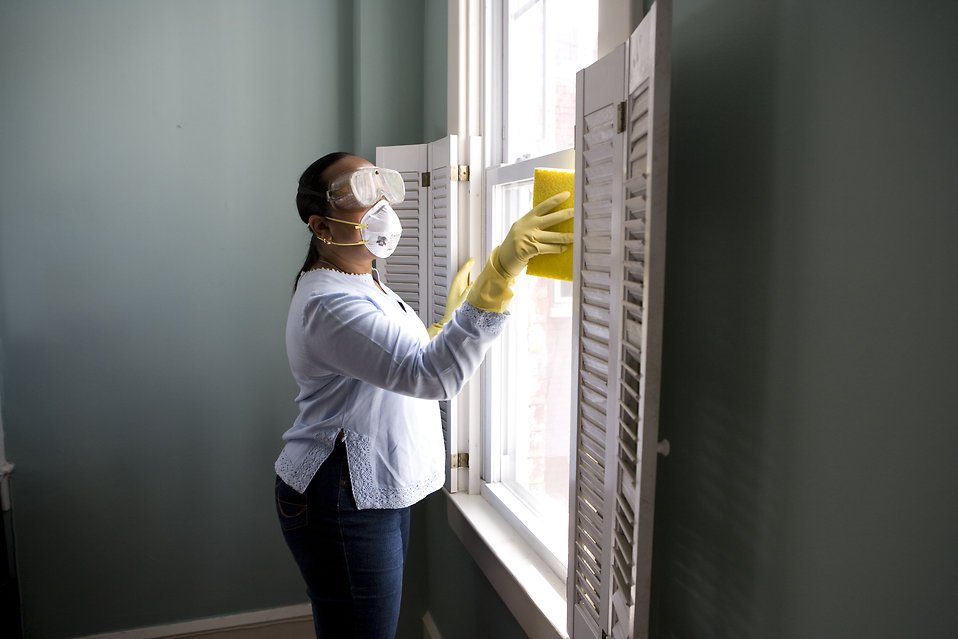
(368, 443)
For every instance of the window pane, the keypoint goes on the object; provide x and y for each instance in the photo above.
(548, 42)
(534, 371)
(542, 333)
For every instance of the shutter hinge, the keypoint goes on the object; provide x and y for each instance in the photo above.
(460, 460)
(620, 118)
(461, 174)
(426, 178)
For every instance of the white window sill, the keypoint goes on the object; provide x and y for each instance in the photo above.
(525, 582)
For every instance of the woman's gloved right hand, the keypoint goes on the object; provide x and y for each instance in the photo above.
(526, 238)
(458, 291)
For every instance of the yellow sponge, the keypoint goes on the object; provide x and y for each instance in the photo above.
(548, 182)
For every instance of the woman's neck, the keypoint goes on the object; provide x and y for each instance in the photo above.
(353, 267)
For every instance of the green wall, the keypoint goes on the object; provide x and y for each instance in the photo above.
(810, 331)
(435, 68)
(148, 241)
(388, 64)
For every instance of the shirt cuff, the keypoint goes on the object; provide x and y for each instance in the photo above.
(486, 321)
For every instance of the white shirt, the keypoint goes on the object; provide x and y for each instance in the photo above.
(366, 366)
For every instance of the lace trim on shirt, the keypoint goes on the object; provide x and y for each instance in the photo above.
(338, 272)
(332, 270)
(486, 321)
(359, 451)
(298, 476)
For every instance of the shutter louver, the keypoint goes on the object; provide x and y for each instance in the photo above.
(439, 240)
(595, 319)
(633, 280)
(403, 267)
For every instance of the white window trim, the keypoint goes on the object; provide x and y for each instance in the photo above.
(527, 584)
(529, 587)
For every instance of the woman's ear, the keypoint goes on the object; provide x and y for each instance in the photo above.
(319, 227)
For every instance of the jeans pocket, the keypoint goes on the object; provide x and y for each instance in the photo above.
(290, 507)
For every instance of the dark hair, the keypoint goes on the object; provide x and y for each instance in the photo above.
(311, 200)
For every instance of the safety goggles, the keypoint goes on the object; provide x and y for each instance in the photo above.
(364, 187)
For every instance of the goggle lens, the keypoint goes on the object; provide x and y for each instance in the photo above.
(366, 186)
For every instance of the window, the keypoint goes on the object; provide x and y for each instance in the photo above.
(610, 317)
(546, 43)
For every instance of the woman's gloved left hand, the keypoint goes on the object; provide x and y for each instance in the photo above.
(458, 291)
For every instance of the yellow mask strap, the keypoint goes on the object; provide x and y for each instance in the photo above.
(325, 241)
(355, 225)
(352, 224)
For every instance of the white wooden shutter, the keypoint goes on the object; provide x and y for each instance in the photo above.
(426, 259)
(443, 264)
(599, 151)
(620, 259)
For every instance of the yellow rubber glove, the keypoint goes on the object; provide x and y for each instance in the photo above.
(458, 290)
(526, 238)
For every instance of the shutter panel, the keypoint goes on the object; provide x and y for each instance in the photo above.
(643, 279)
(599, 152)
(425, 261)
(405, 271)
(620, 333)
(443, 264)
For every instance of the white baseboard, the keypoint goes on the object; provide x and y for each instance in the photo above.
(429, 629)
(289, 622)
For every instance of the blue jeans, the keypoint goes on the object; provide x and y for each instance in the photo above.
(352, 560)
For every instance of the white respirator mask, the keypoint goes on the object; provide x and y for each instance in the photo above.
(380, 229)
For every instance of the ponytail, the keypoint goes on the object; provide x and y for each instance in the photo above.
(312, 258)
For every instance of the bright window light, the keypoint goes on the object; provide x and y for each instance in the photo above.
(548, 41)
(532, 379)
